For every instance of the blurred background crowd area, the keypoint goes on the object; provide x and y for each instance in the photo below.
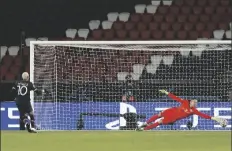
(194, 75)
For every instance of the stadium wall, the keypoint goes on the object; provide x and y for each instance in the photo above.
(69, 113)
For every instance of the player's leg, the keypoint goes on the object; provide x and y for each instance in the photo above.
(23, 116)
(29, 110)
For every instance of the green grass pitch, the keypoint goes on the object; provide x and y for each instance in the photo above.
(116, 141)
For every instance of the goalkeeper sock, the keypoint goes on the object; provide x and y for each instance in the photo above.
(152, 119)
(32, 120)
(151, 126)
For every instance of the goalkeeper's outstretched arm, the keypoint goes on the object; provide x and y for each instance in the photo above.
(172, 96)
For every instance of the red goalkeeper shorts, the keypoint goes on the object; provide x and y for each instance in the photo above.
(169, 115)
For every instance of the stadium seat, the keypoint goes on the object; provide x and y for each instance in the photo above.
(170, 18)
(97, 34)
(165, 26)
(135, 17)
(28, 40)
(223, 26)
(185, 10)
(42, 39)
(157, 34)
(3, 51)
(209, 10)
(13, 50)
(168, 59)
(107, 24)
(83, 33)
(220, 10)
(213, 2)
(138, 68)
(18, 60)
(108, 34)
(124, 16)
(151, 9)
(200, 26)
(140, 8)
(141, 26)
(156, 2)
(14, 70)
(228, 34)
(71, 33)
(215, 18)
(182, 35)
(121, 76)
(26, 51)
(158, 18)
(129, 25)
(190, 2)
(134, 35)
(182, 18)
(201, 2)
(135, 76)
(145, 35)
(197, 10)
(153, 26)
(150, 68)
(178, 2)
(192, 18)
(174, 10)
(156, 59)
(188, 26)
(224, 2)
(169, 35)
(218, 34)
(193, 35)
(204, 18)
(121, 34)
(112, 16)
(167, 2)
(146, 18)
(10, 76)
(118, 25)
(3, 70)
(94, 24)
(162, 10)
(206, 34)
(211, 26)
(176, 26)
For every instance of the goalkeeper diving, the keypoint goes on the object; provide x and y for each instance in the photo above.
(171, 115)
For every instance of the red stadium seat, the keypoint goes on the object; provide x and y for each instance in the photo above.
(134, 35)
(165, 26)
(190, 2)
(178, 2)
(169, 35)
(213, 2)
(215, 18)
(211, 26)
(204, 18)
(15, 70)
(221, 10)
(97, 34)
(10, 76)
(193, 18)
(141, 26)
(201, 2)
(7, 60)
(147, 18)
(170, 18)
(118, 25)
(225, 2)
(209, 10)
(18, 60)
(158, 18)
(157, 35)
(188, 26)
(197, 10)
(200, 26)
(121, 34)
(135, 17)
(26, 51)
(186, 10)
(162, 9)
(206, 34)
(145, 35)
(193, 35)
(182, 35)
(129, 25)
(176, 26)
(3, 70)
(108, 34)
(182, 18)
(224, 26)
(174, 10)
(153, 26)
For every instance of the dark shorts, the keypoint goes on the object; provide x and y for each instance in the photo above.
(24, 108)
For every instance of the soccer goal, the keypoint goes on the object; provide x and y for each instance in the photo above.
(94, 84)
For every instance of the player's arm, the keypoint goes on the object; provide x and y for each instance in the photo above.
(38, 92)
(203, 115)
(172, 96)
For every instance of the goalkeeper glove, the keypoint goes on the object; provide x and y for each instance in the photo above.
(217, 119)
(164, 92)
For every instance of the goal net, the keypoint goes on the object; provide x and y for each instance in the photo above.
(93, 85)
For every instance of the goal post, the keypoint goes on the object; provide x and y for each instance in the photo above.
(93, 84)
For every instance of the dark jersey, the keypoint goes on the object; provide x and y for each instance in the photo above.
(22, 90)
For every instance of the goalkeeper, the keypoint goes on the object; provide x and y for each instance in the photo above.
(171, 115)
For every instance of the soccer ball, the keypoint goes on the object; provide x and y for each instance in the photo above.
(223, 123)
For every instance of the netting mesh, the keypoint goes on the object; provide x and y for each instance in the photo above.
(89, 82)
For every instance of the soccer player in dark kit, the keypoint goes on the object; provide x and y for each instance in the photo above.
(22, 92)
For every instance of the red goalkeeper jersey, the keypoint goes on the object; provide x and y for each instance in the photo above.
(184, 110)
